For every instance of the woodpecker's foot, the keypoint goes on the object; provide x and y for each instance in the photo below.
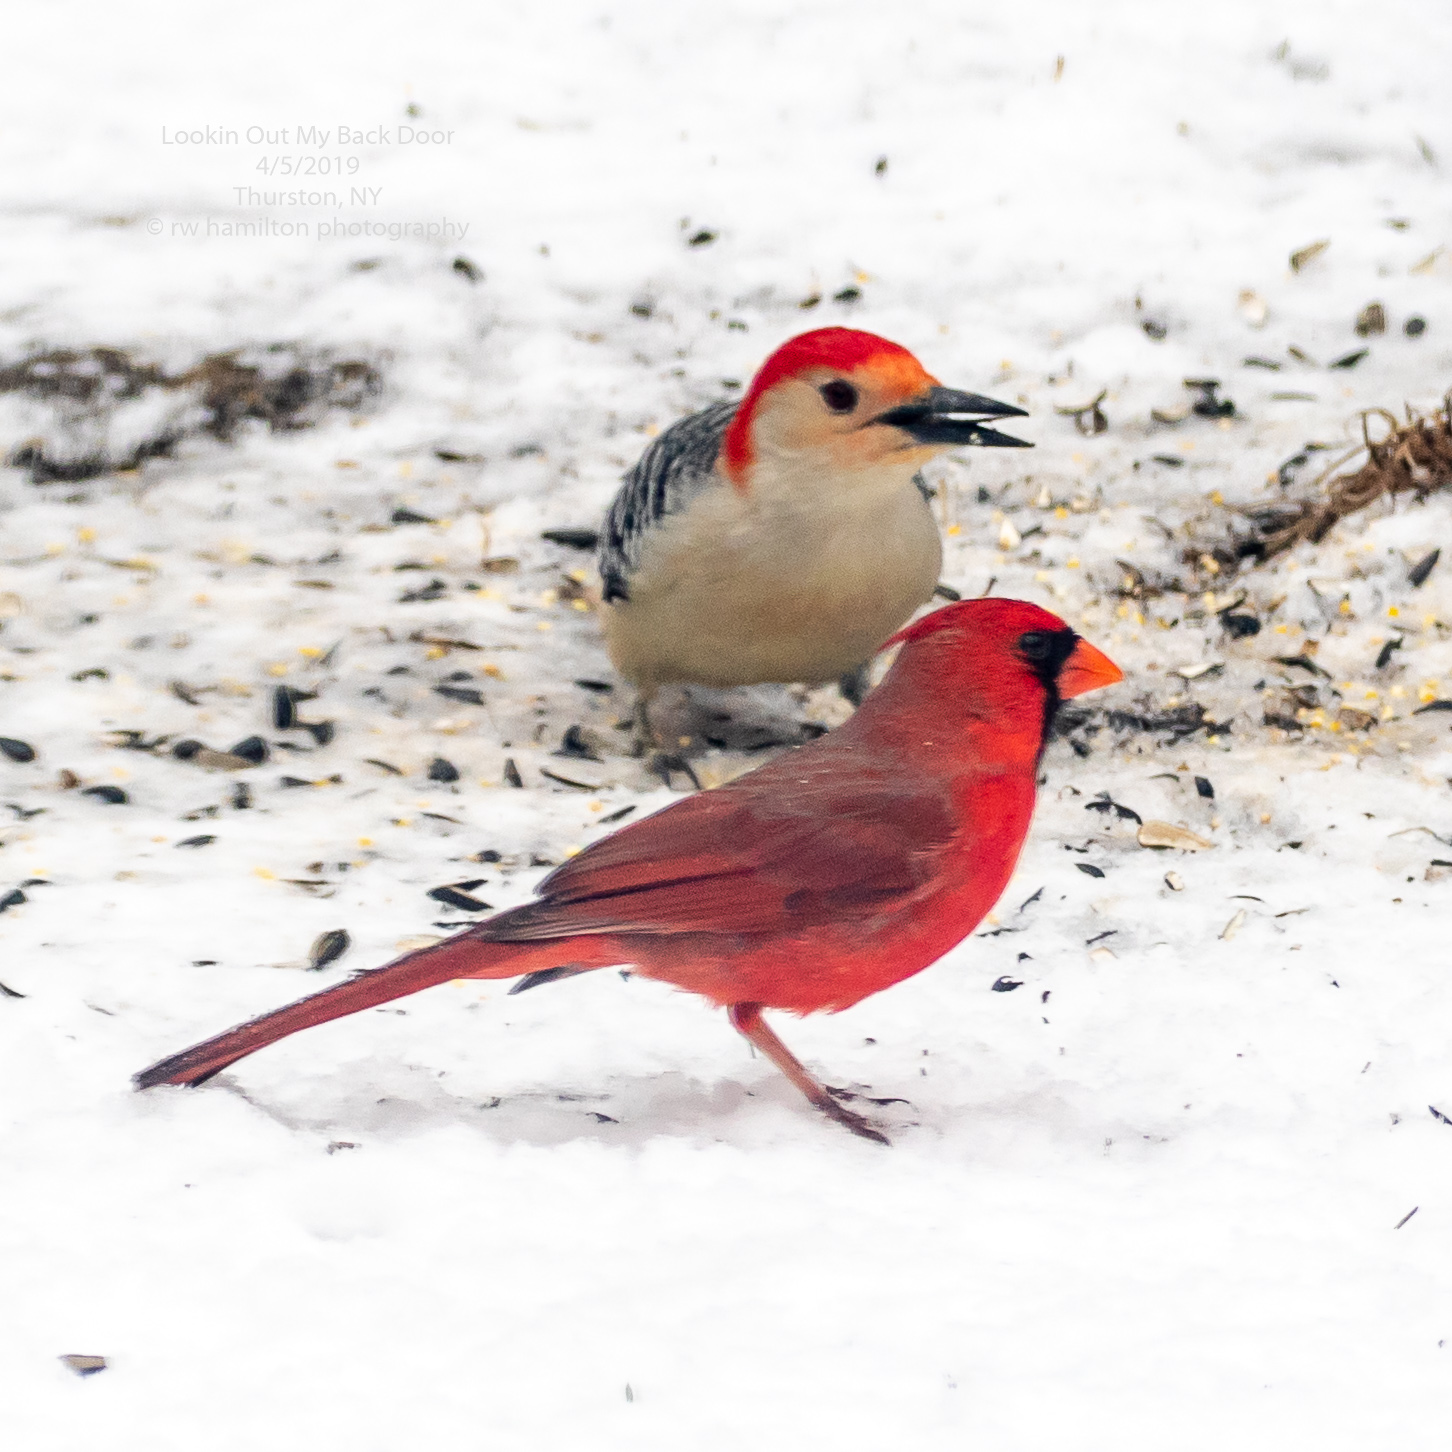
(856, 683)
(643, 738)
(664, 763)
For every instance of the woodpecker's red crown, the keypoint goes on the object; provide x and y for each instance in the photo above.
(895, 375)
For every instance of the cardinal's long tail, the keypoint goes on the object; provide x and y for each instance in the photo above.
(465, 956)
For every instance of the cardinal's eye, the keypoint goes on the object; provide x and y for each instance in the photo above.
(1036, 646)
(839, 395)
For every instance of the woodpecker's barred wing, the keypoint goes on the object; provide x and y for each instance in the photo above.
(671, 472)
(724, 862)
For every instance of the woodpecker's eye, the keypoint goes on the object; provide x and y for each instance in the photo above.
(839, 395)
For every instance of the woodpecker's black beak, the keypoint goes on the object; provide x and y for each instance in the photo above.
(947, 416)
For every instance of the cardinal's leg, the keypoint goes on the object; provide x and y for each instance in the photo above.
(746, 1019)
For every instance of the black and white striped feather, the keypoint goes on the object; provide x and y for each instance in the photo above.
(676, 468)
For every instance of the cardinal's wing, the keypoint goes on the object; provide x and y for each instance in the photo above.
(821, 849)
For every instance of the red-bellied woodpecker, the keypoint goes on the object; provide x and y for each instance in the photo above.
(786, 537)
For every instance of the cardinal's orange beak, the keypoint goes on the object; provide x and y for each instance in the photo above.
(1086, 669)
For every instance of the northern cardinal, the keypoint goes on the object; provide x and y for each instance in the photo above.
(829, 874)
(785, 537)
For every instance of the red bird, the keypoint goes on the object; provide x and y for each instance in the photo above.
(829, 874)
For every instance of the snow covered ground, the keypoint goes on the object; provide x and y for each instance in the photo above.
(1155, 1196)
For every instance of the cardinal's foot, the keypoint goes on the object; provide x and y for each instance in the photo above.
(857, 1123)
(865, 1098)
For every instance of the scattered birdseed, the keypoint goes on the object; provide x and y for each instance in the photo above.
(456, 896)
(1371, 320)
(253, 749)
(573, 539)
(575, 744)
(284, 706)
(467, 694)
(436, 589)
(1102, 803)
(84, 1365)
(1209, 404)
(1302, 256)
(1088, 417)
(1166, 834)
(568, 781)
(1253, 308)
(328, 948)
(1424, 567)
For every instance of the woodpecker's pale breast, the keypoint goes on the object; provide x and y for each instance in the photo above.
(795, 578)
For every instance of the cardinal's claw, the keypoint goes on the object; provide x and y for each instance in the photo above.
(860, 1126)
(865, 1098)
